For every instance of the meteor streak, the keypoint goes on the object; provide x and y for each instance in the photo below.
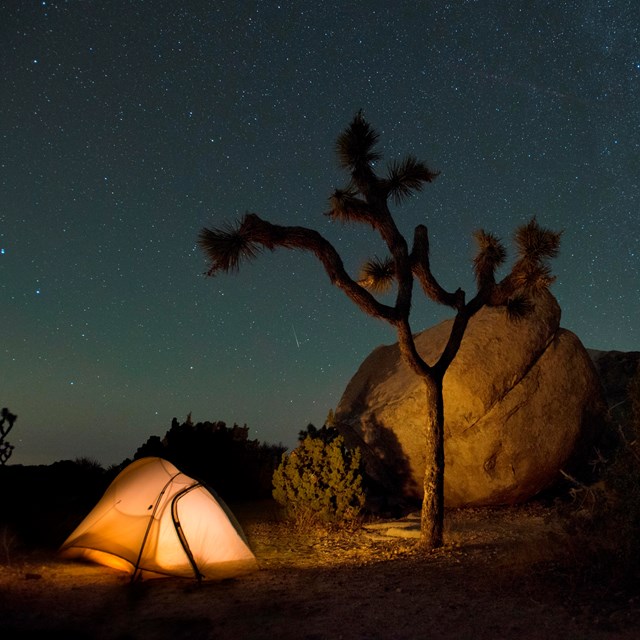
(295, 336)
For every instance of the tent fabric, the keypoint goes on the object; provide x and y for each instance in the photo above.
(155, 521)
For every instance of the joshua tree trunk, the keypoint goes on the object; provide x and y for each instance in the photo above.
(433, 502)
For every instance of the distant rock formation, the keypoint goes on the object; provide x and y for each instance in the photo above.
(521, 399)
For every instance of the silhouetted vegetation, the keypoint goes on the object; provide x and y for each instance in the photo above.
(42, 504)
(7, 420)
(601, 544)
(366, 200)
(222, 457)
(320, 481)
(325, 433)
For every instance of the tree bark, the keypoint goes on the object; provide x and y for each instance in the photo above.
(432, 518)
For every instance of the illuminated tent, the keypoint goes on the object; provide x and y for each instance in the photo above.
(154, 521)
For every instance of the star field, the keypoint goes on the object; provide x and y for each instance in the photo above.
(125, 127)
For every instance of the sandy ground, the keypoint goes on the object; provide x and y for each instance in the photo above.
(494, 579)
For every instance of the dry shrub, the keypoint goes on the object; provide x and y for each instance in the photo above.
(320, 483)
(601, 536)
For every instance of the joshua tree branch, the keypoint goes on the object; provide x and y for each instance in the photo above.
(422, 271)
(408, 349)
(254, 233)
(6, 417)
(347, 207)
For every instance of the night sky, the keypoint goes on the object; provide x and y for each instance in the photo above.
(125, 127)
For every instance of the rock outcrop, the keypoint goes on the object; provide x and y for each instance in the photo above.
(520, 400)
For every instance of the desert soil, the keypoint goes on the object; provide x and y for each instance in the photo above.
(495, 578)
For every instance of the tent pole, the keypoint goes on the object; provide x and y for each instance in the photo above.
(178, 527)
(136, 567)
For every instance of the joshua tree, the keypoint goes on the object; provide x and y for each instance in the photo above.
(366, 200)
(6, 424)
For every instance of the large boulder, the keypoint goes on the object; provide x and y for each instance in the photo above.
(520, 399)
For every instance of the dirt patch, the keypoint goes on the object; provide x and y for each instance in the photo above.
(495, 578)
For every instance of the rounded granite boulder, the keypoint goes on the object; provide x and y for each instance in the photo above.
(521, 399)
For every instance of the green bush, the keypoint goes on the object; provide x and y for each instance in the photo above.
(320, 483)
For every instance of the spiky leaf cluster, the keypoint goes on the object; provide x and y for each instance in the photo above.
(518, 307)
(377, 274)
(406, 177)
(532, 276)
(536, 243)
(355, 145)
(346, 206)
(491, 255)
(227, 247)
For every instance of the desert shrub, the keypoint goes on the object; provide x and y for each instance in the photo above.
(222, 457)
(44, 503)
(602, 524)
(320, 482)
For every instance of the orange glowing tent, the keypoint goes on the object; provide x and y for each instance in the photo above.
(154, 521)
